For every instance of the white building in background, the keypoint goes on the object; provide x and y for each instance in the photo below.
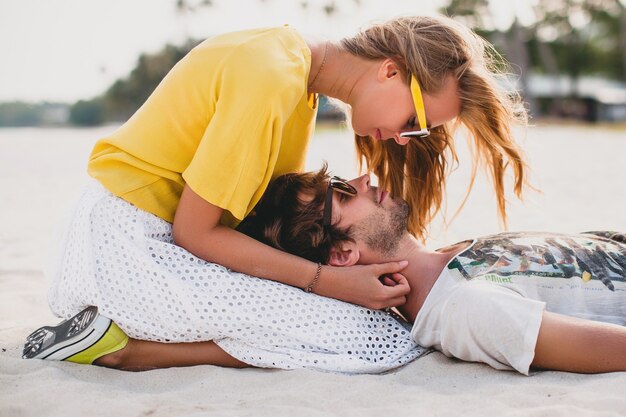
(591, 98)
(55, 114)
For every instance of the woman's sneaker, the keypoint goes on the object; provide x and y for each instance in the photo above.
(82, 339)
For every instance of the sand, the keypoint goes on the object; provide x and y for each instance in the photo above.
(580, 170)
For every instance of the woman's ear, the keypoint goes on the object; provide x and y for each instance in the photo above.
(388, 69)
(344, 254)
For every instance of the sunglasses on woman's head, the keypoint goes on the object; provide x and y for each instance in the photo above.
(341, 186)
(416, 93)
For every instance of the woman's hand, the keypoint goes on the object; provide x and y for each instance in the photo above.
(362, 284)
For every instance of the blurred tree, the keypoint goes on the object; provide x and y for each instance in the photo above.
(18, 114)
(571, 37)
(21, 114)
(579, 37)
(126, 95)
(609, 18)
(329, 7)
(472, 13)
(621, 43)
(87, 112)
(512, 44)
(185, 6)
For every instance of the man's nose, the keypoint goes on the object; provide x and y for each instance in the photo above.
(362, 183)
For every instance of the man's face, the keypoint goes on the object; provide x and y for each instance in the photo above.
(378, 221)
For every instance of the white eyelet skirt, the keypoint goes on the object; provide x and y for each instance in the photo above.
(123, 260)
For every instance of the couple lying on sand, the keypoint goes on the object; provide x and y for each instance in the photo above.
(515, 301)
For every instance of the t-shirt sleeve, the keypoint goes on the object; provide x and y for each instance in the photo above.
(488, 323)
(236, 156)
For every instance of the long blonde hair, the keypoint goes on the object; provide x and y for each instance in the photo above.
(431, 48)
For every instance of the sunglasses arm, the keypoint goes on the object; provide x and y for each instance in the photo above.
(422, 133)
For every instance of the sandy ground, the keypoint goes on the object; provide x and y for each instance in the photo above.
(579, 169)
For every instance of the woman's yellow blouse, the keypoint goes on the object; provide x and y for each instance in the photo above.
(229, 117)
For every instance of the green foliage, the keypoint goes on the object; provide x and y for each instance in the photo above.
(557, 41)
(87, 113)
(21, 114)
(18, 114)
(118, 103)
(126, 95)
(589, 59)
(472, 13)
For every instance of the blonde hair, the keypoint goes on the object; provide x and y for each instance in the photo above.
(431, 48)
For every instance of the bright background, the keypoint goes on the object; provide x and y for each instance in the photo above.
(65, 50)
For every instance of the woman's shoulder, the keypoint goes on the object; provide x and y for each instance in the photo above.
(250, 64)
(280, 41)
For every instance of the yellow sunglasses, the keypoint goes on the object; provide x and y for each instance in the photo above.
(416, 92)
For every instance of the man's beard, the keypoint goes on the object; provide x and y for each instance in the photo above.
(383, 230)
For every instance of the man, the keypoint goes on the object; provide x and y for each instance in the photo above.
(509, 300)
(512, 300)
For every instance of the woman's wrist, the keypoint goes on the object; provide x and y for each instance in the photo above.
(330, 282)
(313, 283)
(322, 285)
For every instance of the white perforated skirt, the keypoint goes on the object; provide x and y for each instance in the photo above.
(123, 260)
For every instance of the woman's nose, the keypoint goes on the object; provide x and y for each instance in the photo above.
(401, 140)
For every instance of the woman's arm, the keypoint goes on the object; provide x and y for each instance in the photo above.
(576, 345)
(197, 228)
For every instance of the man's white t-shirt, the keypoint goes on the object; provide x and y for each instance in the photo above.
(487, 303)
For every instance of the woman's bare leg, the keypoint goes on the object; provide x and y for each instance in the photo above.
(141, 355)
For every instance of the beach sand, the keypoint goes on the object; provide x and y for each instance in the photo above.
(580, 170)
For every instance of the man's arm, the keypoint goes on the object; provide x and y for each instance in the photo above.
(576, 345)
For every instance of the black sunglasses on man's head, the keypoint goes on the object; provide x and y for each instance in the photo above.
(341, 186)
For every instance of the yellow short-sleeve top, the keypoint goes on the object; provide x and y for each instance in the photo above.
(230, 116)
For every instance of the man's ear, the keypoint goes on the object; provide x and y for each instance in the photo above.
(344, 254)
(388, 69)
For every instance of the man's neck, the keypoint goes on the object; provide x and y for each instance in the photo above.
(424, 268)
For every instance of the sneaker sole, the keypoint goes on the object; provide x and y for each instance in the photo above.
(68, 337)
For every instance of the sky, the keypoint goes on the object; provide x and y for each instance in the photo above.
(66, 50)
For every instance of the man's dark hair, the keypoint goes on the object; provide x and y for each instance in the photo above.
(289, 217)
